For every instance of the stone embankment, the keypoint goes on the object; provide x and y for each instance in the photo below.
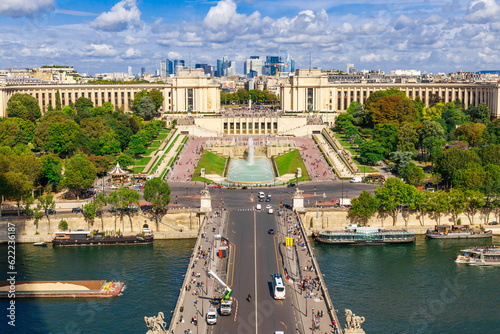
(177, 224)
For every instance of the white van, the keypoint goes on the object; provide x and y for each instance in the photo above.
(356, 179)
(212, 316)
(278, 286)
(261, 194)
(259, 207)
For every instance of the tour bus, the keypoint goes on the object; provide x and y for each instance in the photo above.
(278, 286)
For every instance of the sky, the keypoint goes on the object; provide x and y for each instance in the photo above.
(98, 36)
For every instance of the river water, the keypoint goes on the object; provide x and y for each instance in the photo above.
(399, 289)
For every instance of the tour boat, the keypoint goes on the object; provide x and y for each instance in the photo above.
(480, 256)
(358, 235)
(87, 238)
(457, 232)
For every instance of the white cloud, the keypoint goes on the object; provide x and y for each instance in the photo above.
(402, 22)
(370, 58)
(482, 11)
(220, 15)
(121, 15)
(132, 53)
(21, 8)
(131, 40)
(101, 50)
(433, 19)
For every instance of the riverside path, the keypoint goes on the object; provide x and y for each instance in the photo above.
(254, 255)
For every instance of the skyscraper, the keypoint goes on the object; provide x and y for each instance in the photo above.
(130, 70)
(143, 70)
(163, 68)
(179, 64)
(170, 66)
(252, 67)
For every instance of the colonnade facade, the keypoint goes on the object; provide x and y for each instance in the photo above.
(250, 125)
(190, 89)
(311, 87)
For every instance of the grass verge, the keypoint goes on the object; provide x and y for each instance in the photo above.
(213, 164)
(289, 162)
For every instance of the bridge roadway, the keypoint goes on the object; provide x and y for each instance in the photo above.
(256, 259)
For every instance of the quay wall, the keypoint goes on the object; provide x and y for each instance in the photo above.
(334, 218)
(176, 224)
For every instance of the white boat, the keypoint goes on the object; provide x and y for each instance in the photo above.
(41, 244)
(480, 256)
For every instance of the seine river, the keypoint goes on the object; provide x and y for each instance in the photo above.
(398, 289)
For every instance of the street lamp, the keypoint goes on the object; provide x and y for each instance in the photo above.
(313, 319)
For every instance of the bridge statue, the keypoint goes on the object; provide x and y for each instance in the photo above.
(353, 323)
(156, 325)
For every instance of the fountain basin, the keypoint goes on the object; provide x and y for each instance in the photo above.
(241, 171)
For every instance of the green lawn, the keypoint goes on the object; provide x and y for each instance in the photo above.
(362, 168)
(289, 162)
(213, 164)
(155, 144)
(142, 162)
(163, 134)
(150, 150)
(346, 144)
(137, 169)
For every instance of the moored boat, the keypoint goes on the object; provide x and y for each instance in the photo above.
(457, 232)
(480, 256)
(87, 238)
(359, 235)
(61, 289)
(40, 244)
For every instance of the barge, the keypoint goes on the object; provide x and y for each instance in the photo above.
(87, 238)
(480, 256)
(62, 289)
(358, 235)
(457, 232)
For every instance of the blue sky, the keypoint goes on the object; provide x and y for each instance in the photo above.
(107, 36)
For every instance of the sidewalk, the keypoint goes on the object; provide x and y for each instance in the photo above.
(302, 273)
(198, 288)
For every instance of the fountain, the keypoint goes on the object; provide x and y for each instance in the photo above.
(251, 151)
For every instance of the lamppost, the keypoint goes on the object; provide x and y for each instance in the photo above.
(187, 191)
(313, 319)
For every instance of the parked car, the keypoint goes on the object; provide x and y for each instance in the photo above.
(269, 206)
(217, 186)
(77, 210)
(51, 212)
(493, 223)
(113, 187)
(271, 231)
(291, 185)
(268, 199)
(244, 187)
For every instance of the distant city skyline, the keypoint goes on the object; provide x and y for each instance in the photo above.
(108, 36)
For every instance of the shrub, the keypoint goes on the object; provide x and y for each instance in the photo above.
(63, 225)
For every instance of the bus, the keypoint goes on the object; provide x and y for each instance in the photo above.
(278, 287)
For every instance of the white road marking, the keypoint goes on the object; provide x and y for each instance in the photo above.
(255, 267)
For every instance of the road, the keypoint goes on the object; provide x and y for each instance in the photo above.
(256, 259)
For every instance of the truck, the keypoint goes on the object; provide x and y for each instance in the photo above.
(356, 179)
(226, 302)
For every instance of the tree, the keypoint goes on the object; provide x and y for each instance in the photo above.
(157, 192)
(342, 121)
(28, 165)
(23, 106)
(16, 131)
(67, 110)
(419, 202)
(479, 114)
(438, 204)
(99, 204)
(407, 137)
(456, 198)
(412, 174)
(45, 203)
(387, 136)
(58, 100)
(59, 134)
(18, 187)
(470, 132)
(471, 176)
(124, 160)
(474, 202)
(429, 131)
(157, 98)
(79, 174)
(364, 206)
(242, 95)
(51, 170)
(83, 105)
(392, 196)
(89, 214)
(371, 152)
(400, 159)
(146, 108)
(448, 162)
(127, 199)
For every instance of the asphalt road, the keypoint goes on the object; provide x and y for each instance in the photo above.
(256, 259)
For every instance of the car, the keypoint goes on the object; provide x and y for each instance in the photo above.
(216, 186)
(77, 210)
(259, 207)
(211, 316)
(270, 211)
(141, 187)
(271, 231)
(113, 187)
(244, 187)
(51, 211)
(268, 199)
(268, 195)
(493, 223)
(291, 185)
(232, 187)
(269, 206)
(261, 200)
